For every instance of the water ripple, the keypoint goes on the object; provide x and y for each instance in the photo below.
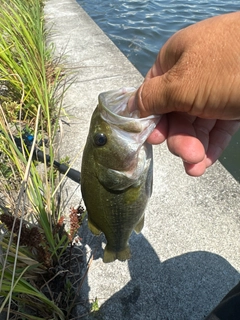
(139, 28)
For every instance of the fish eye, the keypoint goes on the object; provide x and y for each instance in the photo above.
(100, 139)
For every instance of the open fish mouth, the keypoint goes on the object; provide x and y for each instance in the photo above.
(114, 110)
(116, 102)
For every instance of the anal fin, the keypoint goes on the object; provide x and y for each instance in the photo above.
(93, 228)
(139, 226)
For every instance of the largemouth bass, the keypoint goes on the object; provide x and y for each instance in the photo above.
(117, 169)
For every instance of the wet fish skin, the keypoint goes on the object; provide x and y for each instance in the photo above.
(116, 172)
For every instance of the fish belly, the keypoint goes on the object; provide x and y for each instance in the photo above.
(116, 215)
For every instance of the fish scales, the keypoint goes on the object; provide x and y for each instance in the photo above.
(116, 171)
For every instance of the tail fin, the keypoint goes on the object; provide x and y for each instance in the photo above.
(110, 255)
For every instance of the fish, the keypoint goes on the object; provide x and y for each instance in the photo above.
(117, 171)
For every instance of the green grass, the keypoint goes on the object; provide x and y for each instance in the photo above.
(33, 241)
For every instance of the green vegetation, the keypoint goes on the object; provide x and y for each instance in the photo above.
(35, 250)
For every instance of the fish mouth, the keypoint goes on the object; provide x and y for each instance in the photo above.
(115, 102)
(114, 110)
(113, 107)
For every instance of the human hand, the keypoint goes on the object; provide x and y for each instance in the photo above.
(195, 83)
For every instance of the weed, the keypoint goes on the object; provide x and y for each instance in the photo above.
(95, 306)
(37, 255)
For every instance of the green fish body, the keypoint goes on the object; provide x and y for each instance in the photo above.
(116, 174)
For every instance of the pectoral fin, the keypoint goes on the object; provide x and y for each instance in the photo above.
(115, 180)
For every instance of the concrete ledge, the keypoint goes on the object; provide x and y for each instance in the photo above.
(187, 257)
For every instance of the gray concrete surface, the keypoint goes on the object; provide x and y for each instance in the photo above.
(188, 255)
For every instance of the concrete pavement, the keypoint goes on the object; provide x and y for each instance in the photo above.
(187, 257)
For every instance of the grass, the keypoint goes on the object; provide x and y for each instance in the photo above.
(35, 250)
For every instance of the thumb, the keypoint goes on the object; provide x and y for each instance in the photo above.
(163, 94)
(155, 96)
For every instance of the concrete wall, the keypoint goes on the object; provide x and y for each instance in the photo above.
(187, 257)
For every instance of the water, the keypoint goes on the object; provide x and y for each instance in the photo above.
(140, 28)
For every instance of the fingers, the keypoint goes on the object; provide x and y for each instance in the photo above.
(199, 142)
(196, 169)
(202, 129)
(160, 133)
(219, 138)
(183, 140)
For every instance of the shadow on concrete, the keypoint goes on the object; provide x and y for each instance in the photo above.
(186, 287)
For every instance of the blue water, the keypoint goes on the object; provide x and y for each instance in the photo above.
(140, 28)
